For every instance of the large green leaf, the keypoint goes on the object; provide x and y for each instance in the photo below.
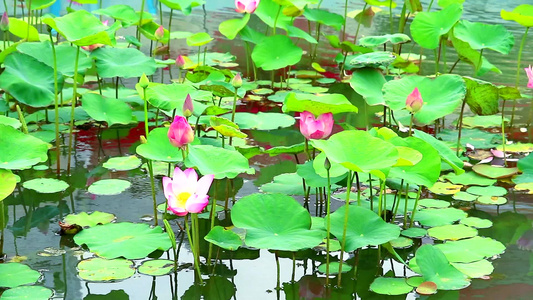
(46, 185)
(184, 5)
(28, 80)
(129, 240)
(33, 292)
(223, 238)
(436, 268)
(275, 221)
(167, 96)
(8, 182)
(270, 13)
(159, 148)
(471, 56)
(376, 40)
(318, 104)
(364, 228)
(481, 96)
(41, 4)
(15, 274)
(427, 171)
(522, 14)
(428, 27)
(470, 250)
(123, 62)
(101, 269)
(276, 52)
(484, 36)
(19, 28)
(12, 158)
(441, 95)
(125, 14)
(324, 17)
(262, 121)
(230, 28)
(229, 163)
(109, 110)
(368, 82)
(199, 39)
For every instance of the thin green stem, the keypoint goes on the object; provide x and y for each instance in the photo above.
(328, 225)
(390, 17)
(460, 128)
(73, 104)
(193, 249)
(411, 124)
(503, 134)
(152, 185)
(430, 4)
(517, 82)
(140, 20)
(414, 208)
(29, 21)
(405, 207)
(56, 105)
(345, 227)
(146, 130)
(345, 18)
(2, 225)
(276, 21)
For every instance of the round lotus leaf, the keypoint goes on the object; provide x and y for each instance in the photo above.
(433, 203)
(428, 27)
(526, 186)
(445, 188)
(229, 163)
(425, 172)
(124, 13)
(15, 274)
(368, 82)
(159, 148)
(107, 187)
(276, 52)
(276, 222)
(123, 62)
(427, 288)
(464, 196)
(199, 39)
(374, 41)
(471, 250)
(492, 121)
(263, 91)
(129, 240)
(334, 268)
(41, 167)
(494, 172)
(435, 267)
(28, 292)
(475, 269)
(324, 80)
(84, 219)
(401, 243)
(226, 128)
(415, 281)
(522, 14)
(487, 191)
(439, 217)
(414, 232)
(10, 121)
(373, 59)
(124, 163)
(318, 104)
(287, 183)
(517, 148)
(101, 269)
(156, 267)
(168, 96)
(364, 228)
(390, 286)
(8, 182)
(230, 28)
(452, 232)
(485, 36)
(476, 222)
(46, 185)
(491, 200)
(441, 95)
(469, 178)
(223, 238)
(109, 110)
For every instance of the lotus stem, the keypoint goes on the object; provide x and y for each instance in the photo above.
(193, 249)
(415, 207)
(328, 224)
(140, 21)
(152, 185)
(29, 21)
(390, 17)
(411, 125)
(345, 15)
(234, 107)
(347, 208)
(2, 221)
(517, 82)
(460, 128)
(405, 207)
(306, 149)
(146, 129)
(380, 201)
(503, 135)
(73, 106)
(56, 106)
(196, 236)
(430, 4)
(276, 21)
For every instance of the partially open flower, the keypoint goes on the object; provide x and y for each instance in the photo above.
(414, 101)
(317, 129)
(180, 61)
(180, 132)
(246, 6)
(159, 32)
(185, 193)
(529, 72)
(237, 81)
(4, 22)
(188, 106)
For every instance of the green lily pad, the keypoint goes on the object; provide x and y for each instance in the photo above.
(485, 36)
(390, 286)
(493, 121)
(428, 27)
(374, 41)
(109, 110)
(84, 219)
(16, 274)
(159, 148)
(494, 172)
(487, 191)
(433, 203)
(288, 183)
(401, 242)
(156, 267)
(223, 238)
(318, 104)
(46, 185)
(8, 182)
(23, 30)
(184, 5)
(334, 268)
(446, 154)
(101, 269)
(522, 14)
(124, 163)
(445, 188)
(470, 250)
(475, 269)
(476, 222)
(81, 28)
(475, 137)
(427, 288)
(469, 178)
(10, 122)
(441, 95)
(276, 52)
(452, 232)
(293, 149)
(230, 28)
(517, 148)
(129, 240)
(108, 187)
(123, 62)
(365, 228)
(324, 17)
(275, 221)
(262, 121)
(125, 14)
(199, 39)
(439, 217)
(373, 59)
(228, 164)
(464, 196)
(28, 292)
(491, 200)
(436, 268)
(414, 232)
(368, 82)
(481, 96)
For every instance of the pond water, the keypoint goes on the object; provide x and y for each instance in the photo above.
(32, 231)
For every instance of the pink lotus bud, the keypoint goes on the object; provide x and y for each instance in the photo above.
(237, 81)
(4, 23)
(180, 61)
(180, 132)
(529, 72)
(246, 6)
(159, 32)
(187, 107)
(316, 129)
(414, 101)
(106, 22)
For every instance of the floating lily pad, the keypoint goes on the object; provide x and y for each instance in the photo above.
(228, 164)
(81, 28)
(101, 269)
(401, 242)
(276, 52)
(464, 196)
(494, 171)
(469, 178)
(263, 121)
(439, 217)
(528, 186)
(46, 185)
(436, 268)
(478, 138)
(28, 292)
(433, 203)
(8, 182)
(373, 59)
(390, 286)
(159, 148)
(123, 62)
(124, 163)
(445, 188)
(107, 187)
(427, 288)
(334, 268)
(129, 240)
(373, 41)
(318, 104)
(476, 222)
(156, 267)
(275, 221)
(452, 232)
(494, 121)
(288, 183)
(475, 269)
(487, 191)
(414, 232)
(517, 148)
(491, 200)
(223, 238)
(471, 250)
(109, 110)
(16, 274)
(84, 219)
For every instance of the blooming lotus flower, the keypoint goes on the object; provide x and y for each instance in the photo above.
(180, 132)
(159, 32)
(414, 101)
(316, 129)
(529, 72)
(187, 107)
(180, 61)
(237, 81)
(185, 193)
(4, 22)
(246, 6)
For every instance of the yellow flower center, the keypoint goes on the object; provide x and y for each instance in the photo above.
(182, 199)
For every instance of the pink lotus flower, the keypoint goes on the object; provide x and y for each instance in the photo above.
(4, 22)
(159, 32)
(316, 129)
(246, 6)
(180, 61)
(180, 132)
(185, 193)
(414, 101)
(188, 106)
(529, 72)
